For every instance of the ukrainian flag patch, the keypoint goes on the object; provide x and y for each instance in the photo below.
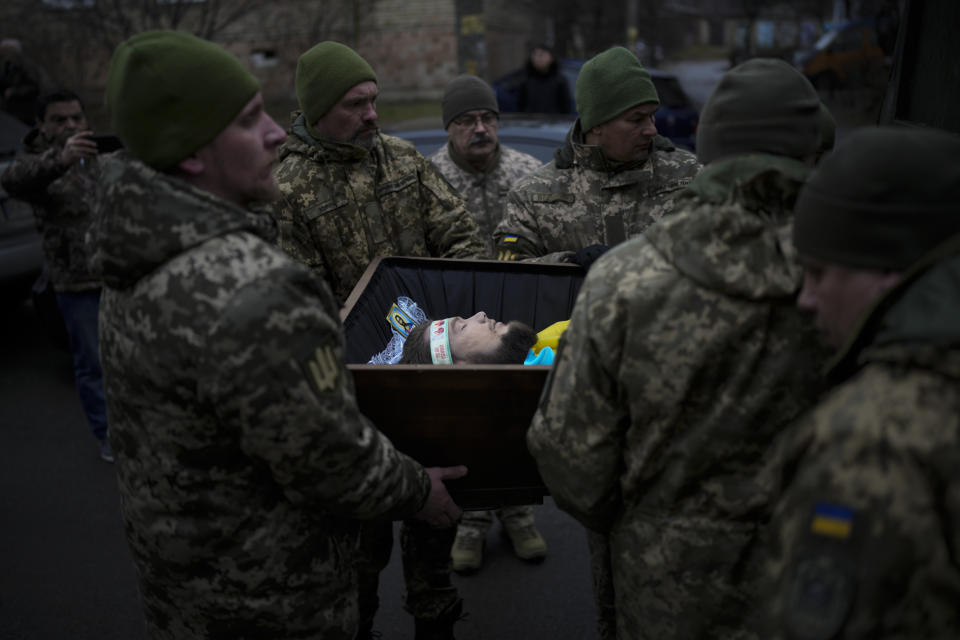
(509, 239)
(832, 520)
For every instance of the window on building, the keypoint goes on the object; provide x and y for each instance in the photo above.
(260, 58)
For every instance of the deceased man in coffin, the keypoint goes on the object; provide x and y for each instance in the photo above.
(474, 413)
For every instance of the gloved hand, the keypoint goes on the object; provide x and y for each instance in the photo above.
(588, 255)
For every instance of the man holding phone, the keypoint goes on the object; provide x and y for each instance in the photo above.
(57, 174)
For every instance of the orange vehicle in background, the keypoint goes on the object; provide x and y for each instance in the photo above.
(846, 54)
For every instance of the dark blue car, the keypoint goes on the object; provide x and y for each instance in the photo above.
(676, 117)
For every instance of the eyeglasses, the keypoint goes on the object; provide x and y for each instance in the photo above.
(488, 119)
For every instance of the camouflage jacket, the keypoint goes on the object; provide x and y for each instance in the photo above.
(485, 192)
(684, 358)
(865, 535)
(241, 456)
(64, 199)
(581, 199)
(344, 205)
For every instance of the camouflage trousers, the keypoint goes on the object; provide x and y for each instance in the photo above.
(479, 522)
(425, 553)
(604, 599)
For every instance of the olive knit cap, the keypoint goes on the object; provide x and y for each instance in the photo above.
(170, 93)
(326, 72)
(761, 106)
(610, 83)
(882, 199)
(467, 93)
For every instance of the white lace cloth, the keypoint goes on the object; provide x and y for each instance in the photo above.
(394, 349)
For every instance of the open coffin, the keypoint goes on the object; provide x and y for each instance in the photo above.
(443, 415)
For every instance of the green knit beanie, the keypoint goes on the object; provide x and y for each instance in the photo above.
(325, 73)
(610, 83)
(761, 106)
(170, 93)
(467, 93)
(882, 199)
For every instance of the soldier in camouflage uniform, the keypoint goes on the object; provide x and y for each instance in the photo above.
(483, 171)
(473, 160)
(350, 193)
(242, 458)
(59, 175)
(684, 359)
(865, 534)
(612, 178)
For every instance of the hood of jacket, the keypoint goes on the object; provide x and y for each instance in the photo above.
(915, 322)
(575, 151)
(320, 150)
(732, 232)
(145, 218)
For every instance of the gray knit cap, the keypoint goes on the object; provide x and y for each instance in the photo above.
(467, 93)
(761, 106)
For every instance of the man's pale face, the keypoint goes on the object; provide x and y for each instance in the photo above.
(839, 296)
(353, 118)
(473, 335)
(62, 120)
(627, 138)
(473, 135)
(238, 163)
(541, 59)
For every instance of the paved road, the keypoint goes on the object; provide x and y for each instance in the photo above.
(66, 572)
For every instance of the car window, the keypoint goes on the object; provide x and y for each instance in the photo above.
(670, 92)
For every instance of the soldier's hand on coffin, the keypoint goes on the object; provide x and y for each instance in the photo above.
(588, 255)
(440, 510)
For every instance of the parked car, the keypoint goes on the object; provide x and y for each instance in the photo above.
(21, 255)
(676, 119)
(847, 51)
(538, 135)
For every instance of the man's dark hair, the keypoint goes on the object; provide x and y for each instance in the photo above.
(60, 95)
(416, 348)
(513, 348)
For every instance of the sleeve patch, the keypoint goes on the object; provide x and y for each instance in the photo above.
(323, 371)
(509, 239)
(832, 520)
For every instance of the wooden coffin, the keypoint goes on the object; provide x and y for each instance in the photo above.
(475, 415)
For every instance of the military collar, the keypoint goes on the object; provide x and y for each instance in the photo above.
(336, 150)
(466, 166)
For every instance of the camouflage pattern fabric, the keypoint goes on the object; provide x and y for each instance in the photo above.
(344, 205)
(241, 456)
(425, 556)
(581, 199)
(485, 192)
(64, 200)
(865, 536)
(684, 359)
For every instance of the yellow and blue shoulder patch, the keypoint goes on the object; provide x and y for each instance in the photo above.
(832, 520)
(510, 238)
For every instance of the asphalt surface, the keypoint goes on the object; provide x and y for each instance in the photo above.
(66, 571)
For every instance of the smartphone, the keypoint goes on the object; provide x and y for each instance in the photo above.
(106, 142)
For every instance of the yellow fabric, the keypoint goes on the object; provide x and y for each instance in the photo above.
(550, 336)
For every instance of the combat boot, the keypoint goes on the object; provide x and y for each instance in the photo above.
(527, 542)
(466, 555)
(441, 627)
